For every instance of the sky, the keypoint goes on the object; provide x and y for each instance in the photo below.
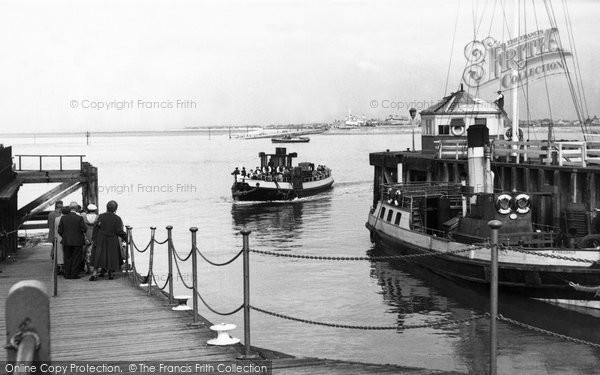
(133, 65)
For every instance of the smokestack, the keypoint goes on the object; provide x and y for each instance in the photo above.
(480, 177)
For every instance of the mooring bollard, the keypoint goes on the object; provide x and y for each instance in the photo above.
(223, 337)
(170, 255)
(27, 323)
(194, 230)
(495, 225)
(181, 303)
(246, 253)
(151, 263)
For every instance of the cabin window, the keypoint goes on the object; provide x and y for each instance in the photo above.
(382, 213)
(398, 216)
(443, 129)
(390, 214)
(429, 126)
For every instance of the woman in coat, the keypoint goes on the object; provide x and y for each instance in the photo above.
(89, 219)
(108, 232)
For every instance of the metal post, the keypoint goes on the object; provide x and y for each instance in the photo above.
(40, 162)
(55, 267)
(151, 264)
(27, 323)
(131, 250)
(194, 230)
(170, 254)
(60, 161)
(20, 163)
(246, 249)
(494, 225)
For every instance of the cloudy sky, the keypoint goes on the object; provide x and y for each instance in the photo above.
(172, 64)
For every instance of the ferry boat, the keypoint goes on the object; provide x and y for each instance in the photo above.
(475, 166)
(277, 180)
(290, 139)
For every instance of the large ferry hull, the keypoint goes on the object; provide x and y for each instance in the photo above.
(525, 274)
(258, 190)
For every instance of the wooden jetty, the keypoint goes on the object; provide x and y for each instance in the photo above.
(112, 320)
(70, 172)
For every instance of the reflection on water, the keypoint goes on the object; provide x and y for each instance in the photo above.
(415, 294)
(280, 223)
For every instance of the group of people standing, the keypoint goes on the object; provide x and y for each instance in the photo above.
(85, 241)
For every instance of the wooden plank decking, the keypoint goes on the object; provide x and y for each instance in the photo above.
(114, 320)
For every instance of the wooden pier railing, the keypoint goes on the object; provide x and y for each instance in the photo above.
(41, 158)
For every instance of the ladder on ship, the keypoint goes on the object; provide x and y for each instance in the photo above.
(416, 216)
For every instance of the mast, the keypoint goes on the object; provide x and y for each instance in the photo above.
(515, 73)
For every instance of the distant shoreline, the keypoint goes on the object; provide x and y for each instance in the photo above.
(237, 131)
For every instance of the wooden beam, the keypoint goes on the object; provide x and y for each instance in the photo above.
(63, 194)
(36, 177)
(45, 199)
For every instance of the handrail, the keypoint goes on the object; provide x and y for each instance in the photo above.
(42, 156)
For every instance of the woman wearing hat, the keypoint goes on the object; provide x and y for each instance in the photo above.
(89, 219)
(106, 253)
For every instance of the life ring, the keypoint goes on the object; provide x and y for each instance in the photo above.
(457, 130)
(503, 204)
(523, 203)
(508, 134)
(398, 198)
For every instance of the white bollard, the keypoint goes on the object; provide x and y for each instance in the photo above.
(181, 303)
(223, 337)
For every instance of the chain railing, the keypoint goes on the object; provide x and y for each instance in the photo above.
(175, 258)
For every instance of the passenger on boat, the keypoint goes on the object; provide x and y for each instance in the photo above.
(235, 173)
(243, 172)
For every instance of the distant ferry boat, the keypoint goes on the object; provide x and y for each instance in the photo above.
(289, 139)
(277, 179)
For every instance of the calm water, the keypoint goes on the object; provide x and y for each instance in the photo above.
(185, 181)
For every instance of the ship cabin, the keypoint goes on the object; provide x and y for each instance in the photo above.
(281, 169)
(445, 124)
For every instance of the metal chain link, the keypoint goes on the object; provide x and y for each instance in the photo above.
(554, 256)
(215, 311)
(161, 242)
(550, 333)
(137, 248)
(6, 234)
(371, 328)
(166, 282)
(218, 264)
(177, 254)
(180, 275)
(373, 258)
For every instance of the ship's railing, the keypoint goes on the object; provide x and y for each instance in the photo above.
(420, 189)
(562, 153)
(451, 148)
(565, 153)
(522, 150)
(280, 177)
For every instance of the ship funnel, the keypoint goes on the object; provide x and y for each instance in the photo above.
(481, 178)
